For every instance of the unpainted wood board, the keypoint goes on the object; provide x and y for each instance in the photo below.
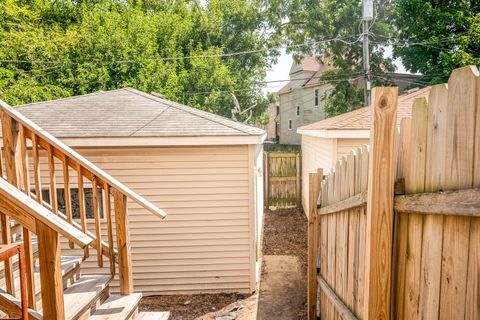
(436, 138)
(415, 183)
(472, 305)
(361, 265)
(381, 178)
(461, 111)
(454, 267)
(352, 265)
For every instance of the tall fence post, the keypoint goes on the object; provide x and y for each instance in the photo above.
(266, 183)
(123, 243)
(379, 241)
(314, 191)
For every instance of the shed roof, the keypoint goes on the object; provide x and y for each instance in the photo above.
(129, 113)
(360, 119)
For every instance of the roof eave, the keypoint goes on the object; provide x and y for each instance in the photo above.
(336, 133)
(109, 142)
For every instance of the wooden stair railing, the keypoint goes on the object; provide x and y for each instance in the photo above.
(29, 153)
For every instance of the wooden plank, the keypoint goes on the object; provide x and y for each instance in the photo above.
(123, 244)
(472, 304)
(24, 161)
(356, 201)
(96, 216)
(50, 272)
(10, 147)
(339, 306)
(81, 206)
(461, 110)
(415, 182)
(454, 267)
(457, 203)
(53, 183)
(108, 214)
(36, 169)
(378, 254)
(402, 224)
(313, 183)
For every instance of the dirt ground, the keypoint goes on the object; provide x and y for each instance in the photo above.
(285, 234)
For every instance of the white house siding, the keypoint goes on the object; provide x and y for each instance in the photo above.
(345, 146)
(205, 243)
(316, 153)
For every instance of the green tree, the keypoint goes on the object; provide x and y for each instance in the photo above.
(53, 49)
(310, 25)
(437, 36)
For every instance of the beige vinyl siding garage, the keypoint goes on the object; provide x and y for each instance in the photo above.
(205, 243)
(345, 146)
(203, 170)
(316, 153)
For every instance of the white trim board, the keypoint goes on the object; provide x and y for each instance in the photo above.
(162, 141)
(333, 134)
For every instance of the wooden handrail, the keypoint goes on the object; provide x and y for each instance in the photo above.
(60, 150)
(21, 199)
(27, 211)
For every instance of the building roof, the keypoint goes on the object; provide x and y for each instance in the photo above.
(307, 64)
(129, 113)
(360, 119)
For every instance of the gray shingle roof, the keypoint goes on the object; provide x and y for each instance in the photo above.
(128, 113)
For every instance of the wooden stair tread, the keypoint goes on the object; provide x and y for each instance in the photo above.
(9, 302)
(117, 307)
(85, 291)
(159, 315)
(69, 264)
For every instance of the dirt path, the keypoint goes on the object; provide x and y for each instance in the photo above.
(282, 294)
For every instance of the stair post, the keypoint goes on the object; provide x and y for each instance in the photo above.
(50, 272)
(123, 243)
(16, 168)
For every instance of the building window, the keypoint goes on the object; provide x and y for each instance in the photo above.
(88, 198)
(289, 124)
(316, 97)
(298, 111)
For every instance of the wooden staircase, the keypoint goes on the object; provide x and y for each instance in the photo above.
(55, 287)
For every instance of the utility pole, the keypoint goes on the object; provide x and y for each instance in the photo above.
(367, 16)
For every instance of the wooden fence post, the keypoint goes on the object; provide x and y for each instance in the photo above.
(314, 188)
(50, 272)
(123, 243)
(378, 255)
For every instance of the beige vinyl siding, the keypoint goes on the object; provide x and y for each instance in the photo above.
(345, 146)
(316, 153)
(204, 244)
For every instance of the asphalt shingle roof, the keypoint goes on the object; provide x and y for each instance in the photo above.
(128, 113)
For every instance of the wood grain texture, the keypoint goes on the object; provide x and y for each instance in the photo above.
(50, 272)
(380, 204)
(415, 183)
(340, 308)
(314, 183)
(123, 244)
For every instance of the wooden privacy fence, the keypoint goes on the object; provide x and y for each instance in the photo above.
(282, 179)
(413, 251)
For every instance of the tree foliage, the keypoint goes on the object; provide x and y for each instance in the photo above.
(53, 49)
(437, 36)
(310, 26)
